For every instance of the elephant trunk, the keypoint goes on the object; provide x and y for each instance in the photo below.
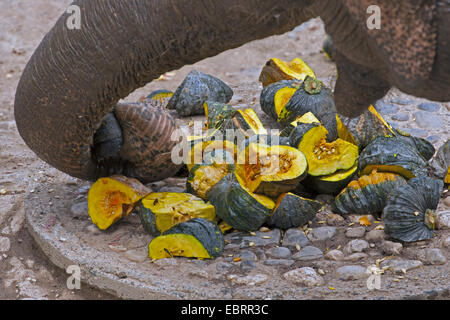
(75, 77)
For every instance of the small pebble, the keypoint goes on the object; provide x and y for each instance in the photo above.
(356, 245)
(335, 255)
(357, 232)
(432, 256)
(308, 253)
(391, 248)
(428, 120)
(279, 262)
(305, 276)
(402, 116)
(429, 106)
(352, 272)
(279, 253)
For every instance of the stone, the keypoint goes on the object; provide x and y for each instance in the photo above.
(247, 265)
(401, 116)
(433, 139)
(391, 248)
(432, 256)
(401, 101)
(429, 106)
(247, 255)
(166, 262)
(446, 242)
(262, 239)
(80, 210)
(356, 245)
(357, 232)
(334, 219)
(294, 236)
(386, 108)
(321, 233)
(93, 229)
(400, 266)
(375, 235)
(17, 220)
(443, 219)
(356, 256)
(137, 255)
(427, 120)
(415, 132)
(117, 248)
(279, 262)
(172, 189)
(308, 253)
(335, 255)
(279, 253)
(249, 280)
(5, 244)
(305, 276)
(351, 272)
(223, 266)
(447, 202)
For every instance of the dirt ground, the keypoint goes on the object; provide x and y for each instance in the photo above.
(24, 270)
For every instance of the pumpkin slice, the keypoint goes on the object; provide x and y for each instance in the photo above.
(160, 211)
(271, 170)
(409, 214)
(196, 238)
(217, 114)
(292, 211)
(237, 206)
(265, 139)
(276, 70)
(203, 177)
(332, 183)
(368, 194)
(247, 122)
(160, 95)
(198, 152)
(323, 158)
(112, 198)
(343, 132)
(392, 155)
(267, 99)
(308, 117)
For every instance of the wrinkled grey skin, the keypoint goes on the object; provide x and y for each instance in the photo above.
(76, 77)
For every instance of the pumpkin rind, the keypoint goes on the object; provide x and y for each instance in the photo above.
(203, 177)
(276, 70)
(319, 101)
(112, 198)
(441, 162)
(423, 146)
(392, 155)
(217, 114)
(161, 211)
(195, 90)
(368, 194)
(160, 95)
(267, 97)
(246, 122)
(292, 211)
(409, 212)
(195, 238)
(237, 206)
(271, 170)
(332, 183)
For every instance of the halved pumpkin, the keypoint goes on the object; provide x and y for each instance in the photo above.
(237, 206)
(324, 158)
(203, 177)
(160, 211)
(277, 69)
(201, 149)
(271, 170)
(292, 211)
(368, 194)
(112, 198)
(197, 238)
(332, 183)
(247, 122)
(270, 104)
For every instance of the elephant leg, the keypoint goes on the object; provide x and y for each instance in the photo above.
(357, 87)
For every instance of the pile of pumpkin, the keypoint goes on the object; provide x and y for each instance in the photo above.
(261, 180)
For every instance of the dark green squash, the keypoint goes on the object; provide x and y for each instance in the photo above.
(313, 97)
(195, 90)
(388, 154)
(368, 194)
(441, 162)
(276, 70)
(332, 183)
(160, 95)
(196, 238)
(423, 146)
(161, 211)
(275, 96)
(217, 114)
(271, 170)
(409, 214)
(203, 177)
(308, 117)
(292, 211)
(244, 123)
(237, 206)
(324, 158)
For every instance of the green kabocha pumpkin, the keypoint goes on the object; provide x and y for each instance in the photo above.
(274, 97)
(324, 158)
(271, 170)
(409, 214)
(203, 177)
(160, 95)
(313, 97)
(195, 90)
(276, 70)
(389, 154)
(333, 183)
(245, 123)
(217, 114)
(292, 211)
(160, 211)
(237, 206)
(308, 117)
(423, 146)
(196, 238)
(368, 194)
(441, 162)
